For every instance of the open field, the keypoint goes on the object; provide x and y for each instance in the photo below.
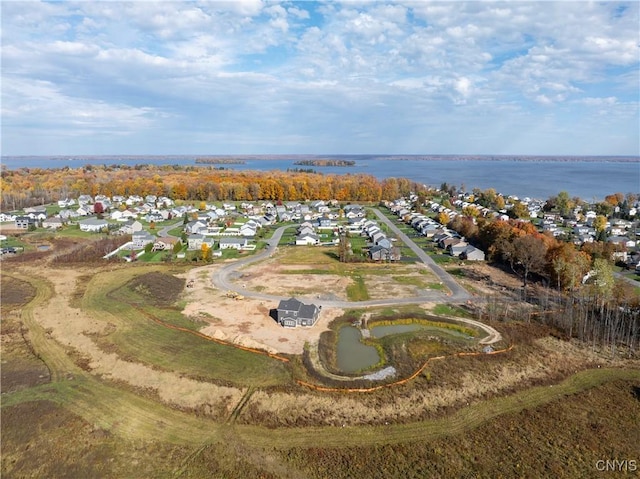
(108, 378)
(316, 271)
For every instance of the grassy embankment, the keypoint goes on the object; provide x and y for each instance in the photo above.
(132, 298)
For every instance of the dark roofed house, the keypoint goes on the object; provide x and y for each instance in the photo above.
(292, 313)
(23, 222)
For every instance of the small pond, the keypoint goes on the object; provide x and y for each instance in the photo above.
(351, 354)
(387, 330)
(43, 247)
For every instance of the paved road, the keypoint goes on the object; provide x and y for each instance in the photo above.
(164, 232)
(459, 294)
(226, 277)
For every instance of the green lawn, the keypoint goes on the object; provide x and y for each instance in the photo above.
(448, 310)
(358, 290)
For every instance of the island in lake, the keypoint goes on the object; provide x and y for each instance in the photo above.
(220, 161)
(325, 162)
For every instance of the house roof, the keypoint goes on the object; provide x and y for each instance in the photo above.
(291, 304)
(304, 310)
(233, 241)
(93, 222)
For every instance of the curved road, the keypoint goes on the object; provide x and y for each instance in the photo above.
(223, 277)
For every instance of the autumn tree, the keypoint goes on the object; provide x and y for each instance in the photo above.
(525, 254)
(599, 224)
(98, 209)
(567, 266)
(205, 252)
(443, 218)
(519, 210)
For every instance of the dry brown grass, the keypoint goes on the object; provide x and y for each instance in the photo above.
(448, 384)
(73, 328)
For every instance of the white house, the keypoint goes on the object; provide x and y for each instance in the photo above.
(233, 243)
(307, 239)
(52, 223)
(195, 241)
(93, 225)
(131, 227)
(140, 239)
(248, 230)
(472, 253)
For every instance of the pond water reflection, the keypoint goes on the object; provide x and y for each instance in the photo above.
(351, 354)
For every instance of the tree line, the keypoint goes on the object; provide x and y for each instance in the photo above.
(35, 186)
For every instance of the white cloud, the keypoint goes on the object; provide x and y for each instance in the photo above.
(320, 69)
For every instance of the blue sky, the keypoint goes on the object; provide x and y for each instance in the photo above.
(263, 77)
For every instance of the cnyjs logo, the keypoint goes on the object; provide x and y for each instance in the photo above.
(618, 465)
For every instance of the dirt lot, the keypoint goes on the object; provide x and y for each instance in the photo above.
(248, 321)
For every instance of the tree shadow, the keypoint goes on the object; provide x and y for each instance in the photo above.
(332, 255)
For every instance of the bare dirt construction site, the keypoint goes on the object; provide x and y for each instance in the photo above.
(106, 362)
(247, 321)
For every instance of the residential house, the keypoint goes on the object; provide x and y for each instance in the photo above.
(306, 230)
(36, 210)
(232, 231)
(471, 253)
(292, 312)
(85, 210)
(248, 229)
(307, 239)
(458, 248)
(621, 241)
(234, 243)
(325, 223)
(140, 239)
(130, 227)
(23, 222)
(85, 199)
(194, 241)
(93, 225)
(52, 223)
(67, 214)
(377, 236)
(66, 202)
(380, 253)
(194, 227)
(385, 243)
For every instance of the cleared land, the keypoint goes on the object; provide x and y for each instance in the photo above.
(119, 389)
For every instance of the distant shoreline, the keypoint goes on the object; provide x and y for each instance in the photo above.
(308, 159)
(220, 161)
(325, 162)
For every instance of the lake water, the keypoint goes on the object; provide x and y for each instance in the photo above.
(589, 179)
